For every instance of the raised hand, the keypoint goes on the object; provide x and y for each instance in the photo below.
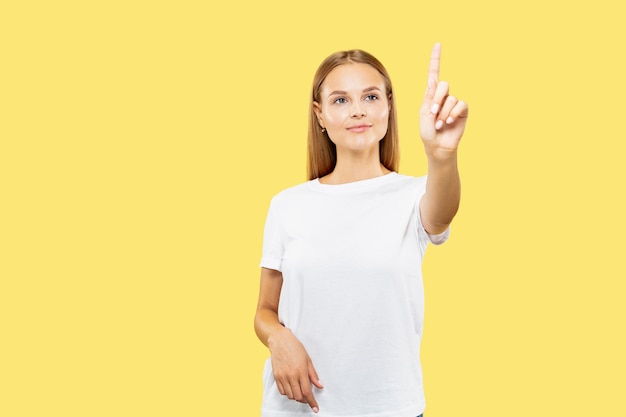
(442, 116)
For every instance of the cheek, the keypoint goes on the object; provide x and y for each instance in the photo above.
(383, 122)
(384, 116)
(333, 117)
(385, 112)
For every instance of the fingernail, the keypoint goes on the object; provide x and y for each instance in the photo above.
(438, 124)
(449, 120)
(316, 410)
(434, 109)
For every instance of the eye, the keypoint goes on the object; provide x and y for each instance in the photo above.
(371, 97)
(340, 100)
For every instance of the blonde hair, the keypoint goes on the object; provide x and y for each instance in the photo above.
(322, 153)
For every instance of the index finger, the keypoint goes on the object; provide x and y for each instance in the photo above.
(308, 396)
(433, 68)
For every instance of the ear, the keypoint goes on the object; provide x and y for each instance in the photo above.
(318, 113)
(389, 101)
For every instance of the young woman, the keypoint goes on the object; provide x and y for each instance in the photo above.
(341, 297)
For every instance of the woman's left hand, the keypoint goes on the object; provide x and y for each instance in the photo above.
(442, 116)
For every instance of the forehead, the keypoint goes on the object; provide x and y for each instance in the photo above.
(353, 77)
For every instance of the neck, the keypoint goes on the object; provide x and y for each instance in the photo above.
(351, 168)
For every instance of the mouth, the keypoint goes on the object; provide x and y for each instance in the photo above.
(359, 128)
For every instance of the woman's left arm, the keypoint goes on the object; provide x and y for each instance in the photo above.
(442, 123)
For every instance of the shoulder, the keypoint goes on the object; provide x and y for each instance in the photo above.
(410, 178)
(408, 182)
(293, 193)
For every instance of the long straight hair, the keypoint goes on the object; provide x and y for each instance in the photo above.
(322, 152)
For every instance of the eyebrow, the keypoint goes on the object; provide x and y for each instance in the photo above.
(340, 92)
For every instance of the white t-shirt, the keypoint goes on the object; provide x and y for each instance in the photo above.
(351, 258)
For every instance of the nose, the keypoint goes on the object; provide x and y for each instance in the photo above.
(357, 110)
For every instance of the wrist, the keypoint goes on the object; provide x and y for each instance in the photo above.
(436, 154)
(442, 159)
(275, 335)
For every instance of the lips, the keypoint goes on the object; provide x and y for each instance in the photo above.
(359, 128)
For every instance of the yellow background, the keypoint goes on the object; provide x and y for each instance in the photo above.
(141, 143)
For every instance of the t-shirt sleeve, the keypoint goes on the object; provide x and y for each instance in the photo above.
(272, 241)
(434, 239)
(440, 238)
(437, 239)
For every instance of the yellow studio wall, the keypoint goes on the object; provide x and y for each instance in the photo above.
(141, 142)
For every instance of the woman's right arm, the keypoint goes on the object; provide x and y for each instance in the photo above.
(293, 369)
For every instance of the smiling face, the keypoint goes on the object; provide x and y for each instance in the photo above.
(354, 108)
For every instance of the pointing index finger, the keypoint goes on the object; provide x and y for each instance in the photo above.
(433, 68)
